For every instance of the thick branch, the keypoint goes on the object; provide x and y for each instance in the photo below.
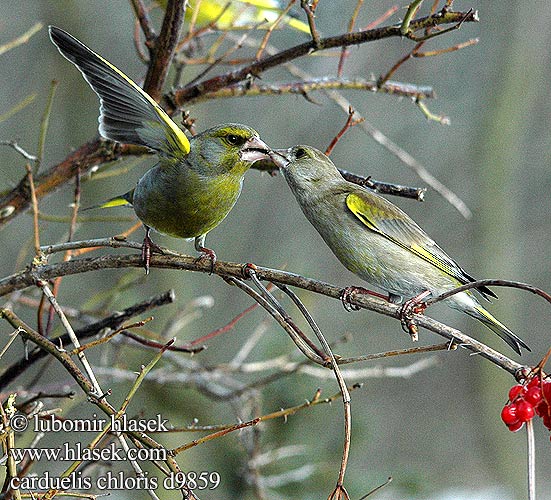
(84, 158)
(165, 46)
(27, 278)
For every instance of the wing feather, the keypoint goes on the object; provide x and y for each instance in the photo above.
(127, 113)
(386, 219)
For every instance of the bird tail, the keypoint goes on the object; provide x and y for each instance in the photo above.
(497, 327)
(117, 201)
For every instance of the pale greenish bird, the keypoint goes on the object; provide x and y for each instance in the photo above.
(376, 240)
(196, 181)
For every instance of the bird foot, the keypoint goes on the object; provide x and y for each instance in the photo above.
(207, 253)
(247, 268)
(148, 247)
(410, 307)
(346, 296)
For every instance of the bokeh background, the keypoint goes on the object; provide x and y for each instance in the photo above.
(438, 432)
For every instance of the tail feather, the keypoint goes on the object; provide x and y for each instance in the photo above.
(498, 328)
(117, 201)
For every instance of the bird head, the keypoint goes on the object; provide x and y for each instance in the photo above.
(305, 167)
(229, 147)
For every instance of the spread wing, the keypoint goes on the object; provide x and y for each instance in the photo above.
(127, 113)
(384, 218)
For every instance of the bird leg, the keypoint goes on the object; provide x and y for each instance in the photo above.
(415, 305)
(347, 293)
(206, 252)
(147, 248)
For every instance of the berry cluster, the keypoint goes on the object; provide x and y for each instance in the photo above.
(525, 401)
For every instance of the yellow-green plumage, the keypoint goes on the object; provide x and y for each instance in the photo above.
(376, 240)
(239, 13)
(196, 181)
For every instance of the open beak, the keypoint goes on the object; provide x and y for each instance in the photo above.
(279, 157)
(255, 149)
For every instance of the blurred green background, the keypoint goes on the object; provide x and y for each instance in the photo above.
(438, 432)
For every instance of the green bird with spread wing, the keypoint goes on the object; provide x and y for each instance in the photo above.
(196, 182)
(376, 240)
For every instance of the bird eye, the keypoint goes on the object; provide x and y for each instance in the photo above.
(300, 153)
(233, 139)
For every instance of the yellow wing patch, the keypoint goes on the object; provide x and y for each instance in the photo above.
(363, 211)
(127, 113)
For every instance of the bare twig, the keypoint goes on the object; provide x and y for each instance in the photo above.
(44, 122)
(350, 122)
(36, 229)
(182, 96)
(351, 23)
(111, 322)
(19, 149)
(20, 40)
(142, 16)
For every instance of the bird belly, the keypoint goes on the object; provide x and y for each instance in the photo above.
(183, 206)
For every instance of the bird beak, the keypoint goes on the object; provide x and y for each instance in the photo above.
(255, 149)
(279, 157)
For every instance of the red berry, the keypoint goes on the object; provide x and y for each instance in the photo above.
(525, 411)
(546, 389)
(509, 414)
(534, 381)
(542, 408)
(533, 395)
(515, 427)
(547, 421)
(516, 391)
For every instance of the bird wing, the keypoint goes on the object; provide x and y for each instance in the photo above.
(384, 218)
(127, 113)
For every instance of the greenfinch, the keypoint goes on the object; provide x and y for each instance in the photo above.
(196, 182)
(239, 13)
(376, 240)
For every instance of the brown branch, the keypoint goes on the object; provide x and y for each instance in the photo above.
(97, 152)
(165, 47)
(89, 155)
(112, 322)
(27, 278)
(142, 15)
(181, 96)
(344, 50)
(248, 89)
(350, 122)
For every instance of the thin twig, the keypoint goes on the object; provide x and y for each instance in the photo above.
(142, 16)
(350, 122)
(310, 10)
(36, 228)
(44, 122)
(112, 322)
(165, 46)
(19, 149)
(340, 380)
(344, 50)
(20, 40)
(183, 95)
(271, 29)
